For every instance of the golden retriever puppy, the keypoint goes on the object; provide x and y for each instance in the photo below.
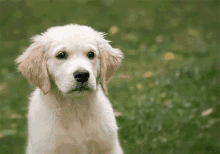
(69, 112)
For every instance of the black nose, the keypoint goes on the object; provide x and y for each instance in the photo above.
(81, 76)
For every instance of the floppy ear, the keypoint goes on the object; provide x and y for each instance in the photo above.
(110, 60)
(32, 64)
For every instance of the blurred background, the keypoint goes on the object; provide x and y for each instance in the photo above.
(166, 92)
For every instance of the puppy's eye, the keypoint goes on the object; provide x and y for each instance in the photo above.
(90, 54)
(62, 55)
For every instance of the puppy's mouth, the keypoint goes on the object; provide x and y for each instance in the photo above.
(81, 88)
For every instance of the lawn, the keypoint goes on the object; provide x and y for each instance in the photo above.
(166, 91)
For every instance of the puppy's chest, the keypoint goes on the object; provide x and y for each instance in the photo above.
(77, 120)
(73, 113)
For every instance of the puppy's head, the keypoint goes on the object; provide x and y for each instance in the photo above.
(75, 57)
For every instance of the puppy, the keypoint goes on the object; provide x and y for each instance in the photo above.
(69, 112)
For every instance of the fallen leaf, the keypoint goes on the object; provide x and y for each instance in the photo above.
(117, 114)
(2, 87)
(159, 39)
(114, 29)
(139, 86)
(207, 112)
(16, 116)
(168, 56)
(148, 74)
(124, 76)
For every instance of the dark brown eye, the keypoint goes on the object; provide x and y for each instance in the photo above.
(91, 54)
(62, 55)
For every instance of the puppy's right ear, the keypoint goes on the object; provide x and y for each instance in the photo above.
(32, 64)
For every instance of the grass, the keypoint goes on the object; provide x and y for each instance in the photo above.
(166, 92)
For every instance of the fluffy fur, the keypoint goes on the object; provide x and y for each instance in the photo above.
(68, 113)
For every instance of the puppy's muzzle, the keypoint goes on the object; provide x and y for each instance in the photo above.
(81, 76)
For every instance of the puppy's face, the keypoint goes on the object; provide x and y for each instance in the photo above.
(74, 67)
(75, 57)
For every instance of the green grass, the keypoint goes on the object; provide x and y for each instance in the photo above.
(169, 77)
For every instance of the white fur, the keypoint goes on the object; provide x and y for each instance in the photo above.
(64, 122)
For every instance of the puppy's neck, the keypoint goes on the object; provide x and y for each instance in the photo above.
(68, 109)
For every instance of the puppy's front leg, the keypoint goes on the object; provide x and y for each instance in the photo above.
(39, 149)
(104, 147)
(116, 149)
(43, 132)
(42, 141)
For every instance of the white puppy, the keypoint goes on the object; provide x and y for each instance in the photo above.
(69, 112)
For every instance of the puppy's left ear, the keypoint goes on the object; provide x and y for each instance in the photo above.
(32, 64)
(110, 60)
